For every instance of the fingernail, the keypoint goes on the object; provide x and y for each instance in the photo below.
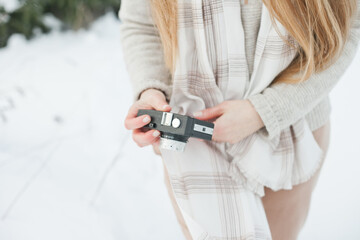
(197, 114)
(146, 119)
(156, 133)
(166, 106)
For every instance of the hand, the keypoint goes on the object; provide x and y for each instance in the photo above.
(149, 99)
(235, 120)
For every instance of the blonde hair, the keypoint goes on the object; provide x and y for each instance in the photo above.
(320, 29)
(164, 13)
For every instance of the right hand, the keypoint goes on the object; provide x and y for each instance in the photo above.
(149, 99)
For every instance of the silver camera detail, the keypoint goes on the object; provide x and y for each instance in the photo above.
(176, 129)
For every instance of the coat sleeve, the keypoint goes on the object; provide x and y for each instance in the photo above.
(281, 105)
(142, 49)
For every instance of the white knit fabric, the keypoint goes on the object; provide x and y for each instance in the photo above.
(218, 186)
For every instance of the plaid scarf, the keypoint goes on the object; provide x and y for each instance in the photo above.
(218, 186)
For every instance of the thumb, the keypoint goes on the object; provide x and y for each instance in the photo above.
(209, 113)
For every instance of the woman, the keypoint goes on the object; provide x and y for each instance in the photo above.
(262, 71)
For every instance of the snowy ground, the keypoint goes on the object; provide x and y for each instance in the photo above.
(69, 170)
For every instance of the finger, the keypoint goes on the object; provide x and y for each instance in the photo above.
(137, 122)
(200, 140)
(160, 104)
(145, 138)
(156, 142)
(218, 132)
(156, 103)
(156, 147)
(133, 110)
(209, 113)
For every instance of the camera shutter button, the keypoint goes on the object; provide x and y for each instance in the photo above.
(176, 123)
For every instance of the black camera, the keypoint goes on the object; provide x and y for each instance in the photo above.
(176, 129)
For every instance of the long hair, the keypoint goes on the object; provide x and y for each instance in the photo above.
(320, 29)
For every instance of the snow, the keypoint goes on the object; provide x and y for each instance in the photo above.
(10, 5)
(70, 170)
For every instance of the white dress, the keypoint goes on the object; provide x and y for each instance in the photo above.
(218, 186)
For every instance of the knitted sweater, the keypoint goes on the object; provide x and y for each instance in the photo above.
(279, 106)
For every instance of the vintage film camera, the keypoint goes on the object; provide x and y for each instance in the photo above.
(176, 129)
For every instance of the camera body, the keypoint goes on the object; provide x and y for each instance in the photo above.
(176, 129)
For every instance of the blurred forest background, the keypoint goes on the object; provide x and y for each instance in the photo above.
(27, 17)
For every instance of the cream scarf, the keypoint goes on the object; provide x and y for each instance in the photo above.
(218, 186)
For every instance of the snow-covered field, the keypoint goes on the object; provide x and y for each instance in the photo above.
(69, 170)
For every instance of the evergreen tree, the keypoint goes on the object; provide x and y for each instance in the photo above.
(74, 14)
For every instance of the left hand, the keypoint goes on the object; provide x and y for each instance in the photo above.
(235, 120)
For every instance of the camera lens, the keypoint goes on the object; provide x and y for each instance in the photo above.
(173, 142)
